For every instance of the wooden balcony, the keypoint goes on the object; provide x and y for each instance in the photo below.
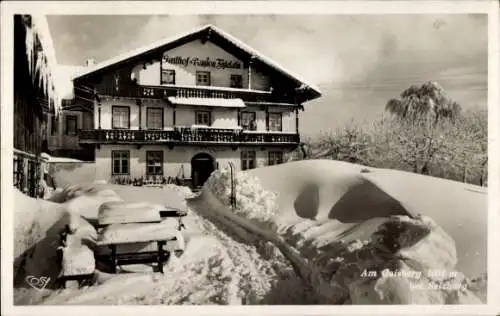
(163, 92)
(188, 136)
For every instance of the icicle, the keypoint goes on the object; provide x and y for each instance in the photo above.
(29, 47)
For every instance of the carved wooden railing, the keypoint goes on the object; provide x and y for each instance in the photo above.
(186, 135)
(162, 92)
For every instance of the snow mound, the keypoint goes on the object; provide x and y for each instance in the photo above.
(337, 252)
(38, 224)
(252, 201)
(183, 191)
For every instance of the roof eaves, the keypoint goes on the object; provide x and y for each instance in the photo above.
(238, 43)
(138, 51)
(263, 58)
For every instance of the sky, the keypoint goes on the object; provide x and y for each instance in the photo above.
(358, 61)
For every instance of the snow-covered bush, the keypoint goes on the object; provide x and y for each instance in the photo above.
(253, 202)
(183, 191)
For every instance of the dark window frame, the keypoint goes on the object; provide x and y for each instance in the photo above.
(274, 160)
(205, 112)
(162, 161)
(116, 152)
(246, 159)
(115, 107)
(209, 75)
(67, 119)
(172, 74)
(240, 80)
(280, 120)
(254, 114)
(162, 118)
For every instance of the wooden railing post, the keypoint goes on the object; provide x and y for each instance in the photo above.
(139, 104)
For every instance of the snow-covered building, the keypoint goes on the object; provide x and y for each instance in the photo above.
(35, 98)
(186, 105)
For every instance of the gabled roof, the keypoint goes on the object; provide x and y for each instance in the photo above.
(177, 38)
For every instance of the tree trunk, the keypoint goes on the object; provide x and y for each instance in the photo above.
(483, 175)
(425, 169)
(304, 152)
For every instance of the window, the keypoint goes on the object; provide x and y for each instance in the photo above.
(154, 118)
(120, 162)
(121, 117)
(202, 78)
(275, 158)
(236, 81)
(247, 160)
(203, 118)
(154, 162)
(71, 125)
(248, 121)
(275, 122)
(168, 76)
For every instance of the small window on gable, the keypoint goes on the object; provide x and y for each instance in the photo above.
(236, 81)
(202, 78)
(168, 76)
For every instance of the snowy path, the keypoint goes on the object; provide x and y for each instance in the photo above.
(223, 264)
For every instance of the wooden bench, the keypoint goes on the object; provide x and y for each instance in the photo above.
(159, 257)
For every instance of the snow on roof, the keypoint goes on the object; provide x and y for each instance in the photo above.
(222, 33)
(263, 58)
(137, 51)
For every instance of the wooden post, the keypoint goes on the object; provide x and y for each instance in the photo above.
(173, 114)
(113, 257)
(139, 104)
(267, 118)
(160, 256)
(297, 120)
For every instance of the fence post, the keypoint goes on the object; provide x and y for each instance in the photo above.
(233, 197)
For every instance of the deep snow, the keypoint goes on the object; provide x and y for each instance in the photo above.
(293, 223)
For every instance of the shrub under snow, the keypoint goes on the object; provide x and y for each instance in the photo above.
(253, 202)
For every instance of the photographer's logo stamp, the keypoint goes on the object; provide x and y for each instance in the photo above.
(37, 283)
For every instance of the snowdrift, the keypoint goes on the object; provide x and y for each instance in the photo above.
(348, 229)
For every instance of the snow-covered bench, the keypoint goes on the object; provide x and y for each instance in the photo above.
(139, 233)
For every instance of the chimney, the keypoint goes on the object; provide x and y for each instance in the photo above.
(90, 62)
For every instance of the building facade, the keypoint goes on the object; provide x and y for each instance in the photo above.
(62, 129)
(187, 105)
(35, 98)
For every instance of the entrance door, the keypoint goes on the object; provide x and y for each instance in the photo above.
(202, 165)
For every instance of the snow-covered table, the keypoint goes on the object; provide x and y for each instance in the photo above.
(138, 233)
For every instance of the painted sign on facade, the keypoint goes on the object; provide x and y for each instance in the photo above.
(217, 63)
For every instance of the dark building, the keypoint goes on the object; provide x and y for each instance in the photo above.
(34, 98)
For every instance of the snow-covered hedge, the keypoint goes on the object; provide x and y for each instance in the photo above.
(253, 202)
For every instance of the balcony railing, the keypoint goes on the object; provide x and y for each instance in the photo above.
(162, 92)
(186, 136)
